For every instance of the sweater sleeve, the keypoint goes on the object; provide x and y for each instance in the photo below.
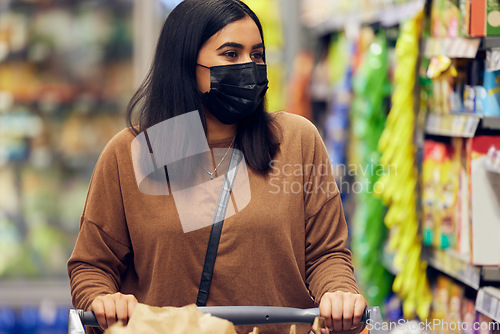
(102, 250)
(328, 261)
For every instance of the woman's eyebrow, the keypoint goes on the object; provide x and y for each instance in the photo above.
(239, 46)
(232, 45)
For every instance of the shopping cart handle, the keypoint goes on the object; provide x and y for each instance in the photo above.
(259, 315)
(247, 315)
(88, 318)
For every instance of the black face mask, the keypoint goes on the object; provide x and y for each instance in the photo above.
(235, 91)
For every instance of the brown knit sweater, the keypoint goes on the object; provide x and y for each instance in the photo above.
(286, 248)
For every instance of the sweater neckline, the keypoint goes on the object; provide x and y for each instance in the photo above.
(225, 142)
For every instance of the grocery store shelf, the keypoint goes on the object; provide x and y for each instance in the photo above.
(386, 17)
(452, 47)
(488, 302)
(17, 293)
(459, 124)
(491, 122)
(458, 47)
(452, 125)
(490, 42)
(490, 274)
(452, 264)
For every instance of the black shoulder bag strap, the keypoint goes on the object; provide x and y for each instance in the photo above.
(220, 214)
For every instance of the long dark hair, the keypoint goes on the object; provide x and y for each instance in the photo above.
(170, 88)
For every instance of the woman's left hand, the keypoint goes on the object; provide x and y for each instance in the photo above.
(342, 310)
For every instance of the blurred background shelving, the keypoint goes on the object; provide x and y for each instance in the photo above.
(68, 69)
(446, 97)
(65, 77)
(355, 68)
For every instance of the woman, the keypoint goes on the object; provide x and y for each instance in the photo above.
(284, 247)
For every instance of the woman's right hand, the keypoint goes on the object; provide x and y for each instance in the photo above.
(111, 308)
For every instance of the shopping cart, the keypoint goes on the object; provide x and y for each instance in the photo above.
(244, 315)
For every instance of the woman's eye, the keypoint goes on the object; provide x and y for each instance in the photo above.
(231, 54)
(257, 55)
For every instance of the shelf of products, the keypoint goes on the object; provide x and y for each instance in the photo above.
(459, 124)
(325, 16)
(462, 312)
(360, 124)
(65, 80)
(453, 125)
(34, 306)
(452, 47)
(488, 302)
(459, 97)
(458, 47)
(456, 266)
(458, 197)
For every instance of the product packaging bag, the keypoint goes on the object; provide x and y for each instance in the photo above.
(161, 320)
